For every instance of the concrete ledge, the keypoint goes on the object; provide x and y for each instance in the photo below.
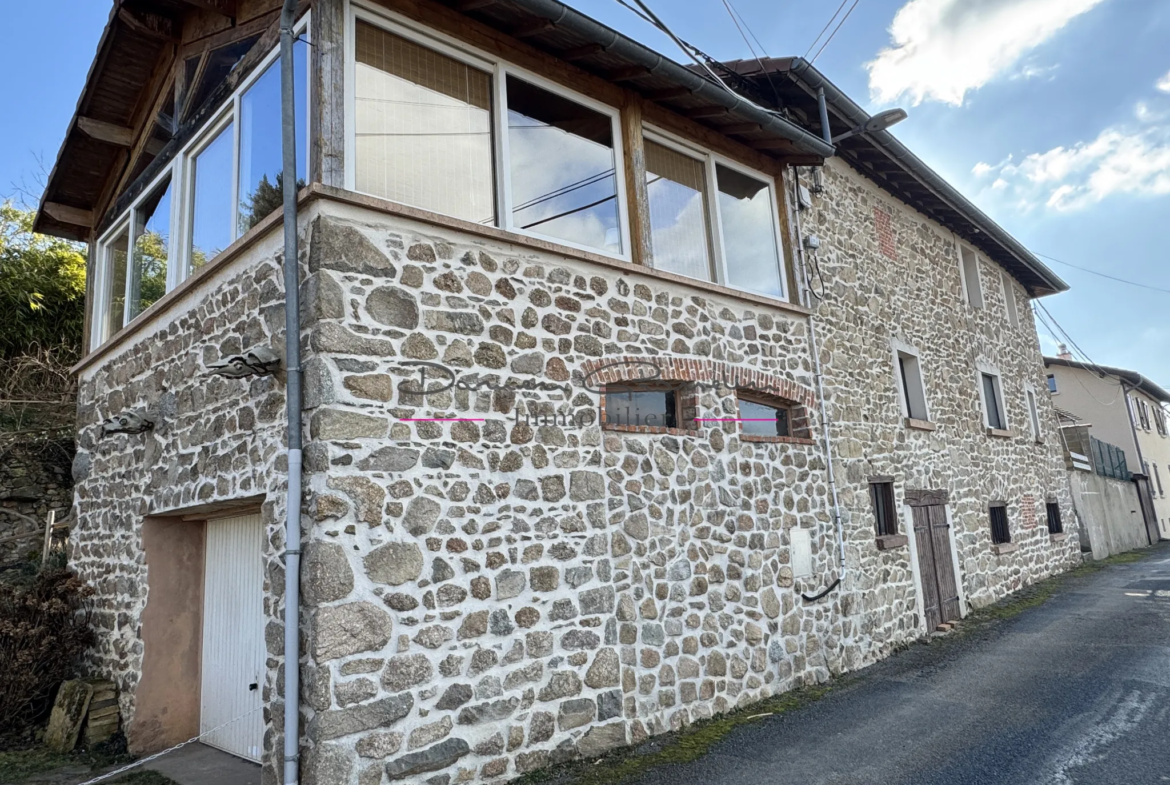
(919, 425)
(1005, 548)
(1061, 537)
(999, 433)
(888, 542)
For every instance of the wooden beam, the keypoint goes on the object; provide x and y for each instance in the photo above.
(627, 73)
(633, 142)
(533, 28)
(776, 145)
(739, 128)
(705, 111)
(156, 26)
(473, 5)
(667, 94)
(222, 7)
(69, 215)
(106, 132)
(581, 52)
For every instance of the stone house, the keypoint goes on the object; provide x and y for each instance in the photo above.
(566, 480)
(1126, 409)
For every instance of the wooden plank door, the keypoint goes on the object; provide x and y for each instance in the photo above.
(233, 637)
(923, 542)
(944, 565)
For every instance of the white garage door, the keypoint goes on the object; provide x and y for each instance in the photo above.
(233, 636)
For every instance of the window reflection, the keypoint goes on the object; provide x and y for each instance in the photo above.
(564, 183)
(152, 228)
(676, 185)
(261, 157)
(211, 219)
(423, 127)
(759, 419)
(117, 256)
(749, 235)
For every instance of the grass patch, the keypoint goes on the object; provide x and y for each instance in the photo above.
(689, 744)
(37, 763)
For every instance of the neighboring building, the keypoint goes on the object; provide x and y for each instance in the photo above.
(1126, 409)
(494, 580)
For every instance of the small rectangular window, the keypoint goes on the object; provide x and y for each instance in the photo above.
(999, 524)
(971, 284)
(993, 402)
(1160, 419)
(1051, 383)
(563, 171)
(1144, 414)
(1033, 415)
(913, 392)
(117, 260)
(749, 232)
(676, 186)
(1009, 298)
(1158, 479)
(1054, 524)
(886, 517)
(762, 418)
(651, 407)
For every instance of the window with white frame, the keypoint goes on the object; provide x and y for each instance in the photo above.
(1033, 413)
(712, 219)
(1009, 299)
(910, 386)
(1052, 383)
(217, 188)
(1143, 414)
(972, 289)
(991, 391)
(456, 132)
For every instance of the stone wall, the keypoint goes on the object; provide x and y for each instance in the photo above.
(214, 440)
(34, 479)
(890, 275)
(498, 595)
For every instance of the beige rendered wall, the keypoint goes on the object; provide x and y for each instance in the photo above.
(1099, 402)
(1109, 513)
(172, 626)
(1155, 448)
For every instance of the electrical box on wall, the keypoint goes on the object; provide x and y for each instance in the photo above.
(800, 551)
(803, 197)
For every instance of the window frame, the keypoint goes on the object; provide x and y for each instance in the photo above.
(500, 70)
(1001, 400)
(1007, 529)
(1049, 508)
(885, 487)
(899, 349)
(772, 402)
(180, 169)
(1009, 299)
(677, 388)
(1032, 410)
(978, 280)
(1053, 387)
(710, 160)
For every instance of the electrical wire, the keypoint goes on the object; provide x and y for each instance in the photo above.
(1103, 275)
(823, 29)
(835, 31)
(733, 13)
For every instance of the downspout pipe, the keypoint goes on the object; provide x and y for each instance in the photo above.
(292, 361)
(615, 43)
(806, 298)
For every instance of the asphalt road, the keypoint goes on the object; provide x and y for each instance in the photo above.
(1076, 690)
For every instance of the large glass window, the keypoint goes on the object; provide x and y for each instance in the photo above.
(261, 158)
(749, 232)
(564, 179)
(152, 242)
(211, 201)
(423, 127)
(117, 258)
(676, 186)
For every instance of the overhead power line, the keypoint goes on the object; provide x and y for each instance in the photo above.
(823, 29)
(1104, 275)
(835, 30)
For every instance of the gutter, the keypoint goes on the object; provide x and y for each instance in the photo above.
(614, 42)
(815, 81)
(292, 362)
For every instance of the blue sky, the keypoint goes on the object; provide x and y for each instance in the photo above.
(1052, 115)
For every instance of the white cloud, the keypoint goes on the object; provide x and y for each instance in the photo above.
(1119, 161)
(1163, 84)
(942, 49)
(980, 169)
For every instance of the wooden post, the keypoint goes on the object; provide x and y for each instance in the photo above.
(637, 199)
(48, 536)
